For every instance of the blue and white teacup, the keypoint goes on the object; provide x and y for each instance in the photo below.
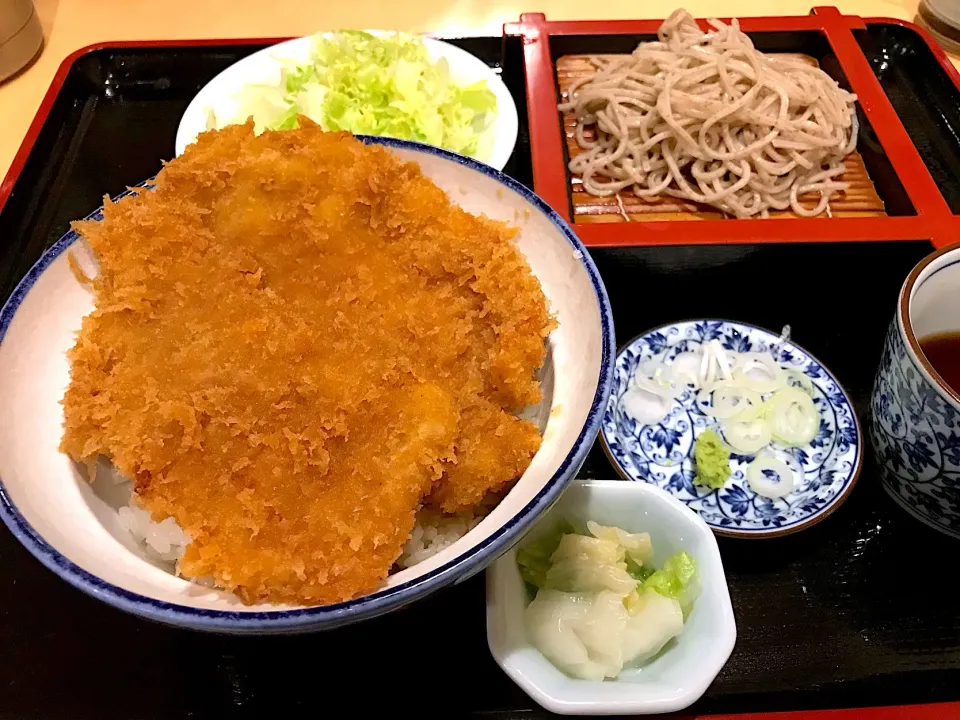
(915, 423)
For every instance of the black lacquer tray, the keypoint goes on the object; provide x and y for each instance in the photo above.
(854, 611)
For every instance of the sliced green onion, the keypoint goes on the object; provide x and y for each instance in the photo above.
(684, 370)
(799, 380)
(731, 402)
(758, 477)
(747, 436)
(645, 407)
(759, 372)
(793, 417)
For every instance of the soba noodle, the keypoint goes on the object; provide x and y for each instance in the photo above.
(706, 117)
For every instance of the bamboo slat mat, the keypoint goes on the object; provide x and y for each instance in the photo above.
(860, 200)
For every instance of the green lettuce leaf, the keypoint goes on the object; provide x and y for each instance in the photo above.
(377, 86)
(676, 579)
(533, 559)
(638, 571)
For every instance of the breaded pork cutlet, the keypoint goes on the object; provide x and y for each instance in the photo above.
(298, 341)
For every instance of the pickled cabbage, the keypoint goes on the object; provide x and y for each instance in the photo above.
(599, 606)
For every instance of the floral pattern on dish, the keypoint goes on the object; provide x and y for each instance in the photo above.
(662, 454)
(916, 435)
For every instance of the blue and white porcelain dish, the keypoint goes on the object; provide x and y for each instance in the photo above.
(915, 418)
(662, 454)
(56, 515)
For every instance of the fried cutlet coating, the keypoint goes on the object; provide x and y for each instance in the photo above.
(297, 339)
(496, 451)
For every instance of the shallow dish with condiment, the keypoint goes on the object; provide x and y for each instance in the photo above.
(661, 451)
(683, 669)
(58, 517)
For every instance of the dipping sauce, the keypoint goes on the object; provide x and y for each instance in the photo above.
(943, 352)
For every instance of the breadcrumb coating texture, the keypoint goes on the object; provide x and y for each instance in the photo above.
(298, 340)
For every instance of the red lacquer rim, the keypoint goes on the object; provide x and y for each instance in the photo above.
(933, 220)
(846, 229)
(33, 131)
(934, 711)
(938, 52)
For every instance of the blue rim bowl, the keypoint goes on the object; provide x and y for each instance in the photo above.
(329, 616)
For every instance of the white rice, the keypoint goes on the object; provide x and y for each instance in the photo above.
(166, 541)
(163, 541)
(433, 532)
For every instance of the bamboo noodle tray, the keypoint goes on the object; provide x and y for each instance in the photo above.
(860, 200)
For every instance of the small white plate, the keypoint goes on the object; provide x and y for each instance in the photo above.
(680, 674)
(264, 66)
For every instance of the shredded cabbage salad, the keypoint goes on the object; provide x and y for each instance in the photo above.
(599, 605)
(375, 85)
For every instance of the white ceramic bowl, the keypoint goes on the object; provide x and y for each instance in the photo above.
(219, 95)
(56, 515)
(682, 672)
